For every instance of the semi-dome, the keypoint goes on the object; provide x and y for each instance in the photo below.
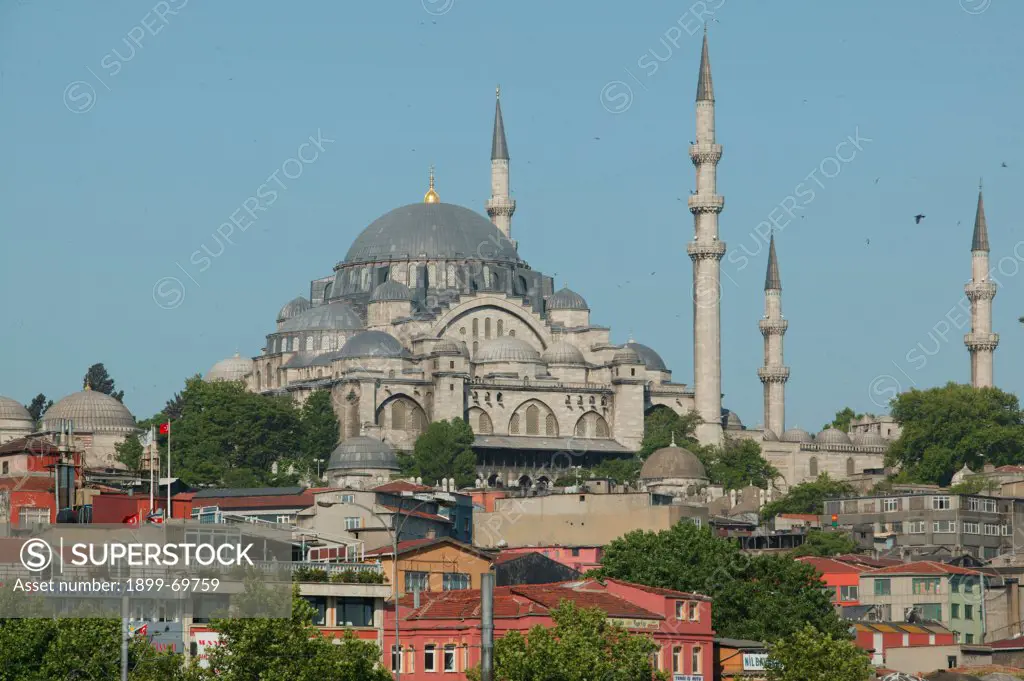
(372, 344)
(363, 453)
(90, 412)
(832, 436)
(730, 420)
(432, 231)
(447, 346)
(672, 462)
(13, 410)
(293, 308)
(796, 435)
(506, 349)
(563, 352)
(768, 435)
(651, 359)
(626, 355)
(391, 290)
(336, 316)
(566, 299)
(231, 369)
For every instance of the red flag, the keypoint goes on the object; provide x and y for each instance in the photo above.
(165, 428)
(132, 519)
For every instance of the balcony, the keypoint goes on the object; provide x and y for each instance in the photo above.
(981, 341)
(706, 203)
(705, 153)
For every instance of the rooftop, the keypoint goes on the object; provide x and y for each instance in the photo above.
(922, 567)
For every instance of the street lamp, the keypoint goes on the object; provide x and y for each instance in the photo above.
(318, 462)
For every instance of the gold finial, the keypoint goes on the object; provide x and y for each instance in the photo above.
(87, 387)
(431, 195)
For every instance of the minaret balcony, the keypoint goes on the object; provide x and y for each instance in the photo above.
(705, 203)
(980, 290)
(773, 326)
(773, 374)
(705, 153)
(702, 250)
(981, 341)
(501, 205)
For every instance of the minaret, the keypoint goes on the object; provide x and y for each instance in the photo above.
(706, 252)
(773, 327)
(501, 205)
(980, 342)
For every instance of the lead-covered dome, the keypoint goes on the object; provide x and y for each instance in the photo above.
(673, 462)
(90, 412)
(231, 369)
(869, 439)
(506, 349)
(651, 359)
(13, 410)
(391, 290)
(832, 436)
(336, 316)
(566, 299)
(441, 231)
(372, 344)
(447, 346)
(796, 435)
(364, 453)
(563, 352)
(293, 308)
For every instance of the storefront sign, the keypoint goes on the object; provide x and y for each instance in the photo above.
(754, 662)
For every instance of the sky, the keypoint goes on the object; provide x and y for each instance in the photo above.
(130, 132)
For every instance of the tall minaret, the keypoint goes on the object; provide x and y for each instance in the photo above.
(706, 252)
(773, 327)
(501, 205)
(980, 342)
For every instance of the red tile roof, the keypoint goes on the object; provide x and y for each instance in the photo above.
(33, 445)
(1010, 469)
(830, 566)
(28, 483)
(857, 559)
(303, 500)
(403, 546)
(1008, 643)
(399, 486)
(922, 567)
(418, 514)
(668, 593)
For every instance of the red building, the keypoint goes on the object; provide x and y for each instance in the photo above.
(579, 558)
(881, 638)
(842, 579)
(27, 476)
(441, 638)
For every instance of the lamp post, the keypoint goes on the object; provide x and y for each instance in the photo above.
(318, 462)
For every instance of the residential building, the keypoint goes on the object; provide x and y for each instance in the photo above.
(842, 580)
(1008, 652)
(269, 504)
(881, 638)
(433, 565)
(27, 482)
(441, 636)
(579, 558)
(513, 569)
(737, 659)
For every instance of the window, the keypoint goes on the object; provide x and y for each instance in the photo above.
(30, 517)
(972, 528)
(883, 587)
(476, 328)
(968, 612)
(940, 504)
(930, 611)
(694, 609)
(696, 661)
(319, 604)
(485, 426)
(890, 505)
(532, 420)
(1006, 530)
(455, 581)
(501, 327)
(915, 527)
(6, 467)
(848, 593)
(487, 328)
(925, 585)
(417, 580)
(991, 530)
(354, 612)
(449, 657)
(680, 610)
(284, 519)
(429, 653)
(575, 553)
(851, 467)
(988, 505)
(398, 415)
(353, 523)
(944, 526)
(973, 504)
(677, 660)
(513, 425)
(348, 498)
(814, 466)
(550, 426)
(954, 611)
(396, 659)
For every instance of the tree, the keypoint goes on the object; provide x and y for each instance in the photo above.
(661, 424)
(757, 598)
(581, 646)
(129, 452)
(819, 543)
(812, 655)
(265, 649)
(38, 407)
(444, 450)
(622, 471)
(739, 463)
(320, 430)
(96, 378)
(945, 428)
(976, 484)
(808, 497)
(842, 420)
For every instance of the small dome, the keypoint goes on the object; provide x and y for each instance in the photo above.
(336, 316)
(447, 346)
(832, 436)
(372, 344)
(796, 435)
(90, 412)
(293, 308)
(673, 462)
(870, 439)
(566, 299)
(768, 435)
(626, 355)
(651, 359)
(231, 369)
(391, 290)
(563, 352)
(730, 421)
(12, 410)
(506, 349)
(363, 453)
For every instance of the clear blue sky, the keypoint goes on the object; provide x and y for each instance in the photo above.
(95, 207)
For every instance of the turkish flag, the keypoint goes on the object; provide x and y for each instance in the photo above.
(165, 428)
(132, 519)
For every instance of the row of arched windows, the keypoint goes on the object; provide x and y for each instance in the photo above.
(536, 419)
(851, 467)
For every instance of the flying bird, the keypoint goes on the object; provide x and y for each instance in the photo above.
(867, 241)
(597, 138)
(918, 218)
(652, 274)
(877, 179)
(1004, 165)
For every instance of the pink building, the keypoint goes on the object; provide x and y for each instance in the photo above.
(579, 558)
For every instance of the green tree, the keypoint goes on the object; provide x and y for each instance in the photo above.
(292, 649)
(130, 453)
(96, 378)
(975, 484)
(622, 471)
(444, 450)
(319, 430)
(661, 424)
(842, 420)
(758, 598)
(581, 646)
(812, 655)
(739, 463)
(945, 428)
(808, 497)
(819, 543)
(38, 407)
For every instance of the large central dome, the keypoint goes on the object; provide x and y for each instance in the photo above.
(431, 231)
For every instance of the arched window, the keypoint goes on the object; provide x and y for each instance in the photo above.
(551, 426)
(259, 381)
(485, 426)
(476, 328)
(601, 427)
(365, 283)
(452, 279)
(431, 275)
(309, 344)
(851, 468)
(532, 420)
(412, 276)
(814, 466)
(398, 415)
(581, 428)
(512, 333)
(501, 327)
(513, 425)
(487, 328)
(487, 277)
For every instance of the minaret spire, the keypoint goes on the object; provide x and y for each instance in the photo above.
(773, 327)
(981, 342)
(706, 251)
(500, 206)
